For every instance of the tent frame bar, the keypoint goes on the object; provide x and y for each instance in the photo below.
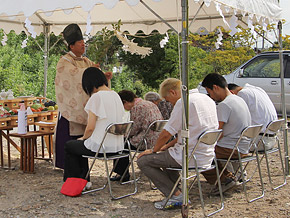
(195, 16)
(164, 21)
(261, 35)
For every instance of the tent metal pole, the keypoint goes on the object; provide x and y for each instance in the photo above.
(45, 55)
(184, 88)
(285, 128)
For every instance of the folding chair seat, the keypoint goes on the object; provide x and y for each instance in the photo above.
(156, 126)
(250, 132)
(209, 137)
(116, 129)
(273, 128)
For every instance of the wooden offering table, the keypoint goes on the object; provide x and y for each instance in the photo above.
(28, 148)
(28, 145)
(4, 126)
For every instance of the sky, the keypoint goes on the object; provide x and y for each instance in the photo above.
(285, 5)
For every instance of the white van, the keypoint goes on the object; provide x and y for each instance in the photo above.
(263, 71)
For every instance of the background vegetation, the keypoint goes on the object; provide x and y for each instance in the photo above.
(21, 69)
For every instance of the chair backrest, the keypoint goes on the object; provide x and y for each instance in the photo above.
(208, 137)
(251, 131)
(117, 129)
(157, 125)
(275, 125)
(120, 128)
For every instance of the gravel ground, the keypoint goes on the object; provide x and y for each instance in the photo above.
(38, 195)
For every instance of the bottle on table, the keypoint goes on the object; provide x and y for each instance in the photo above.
(22, 119)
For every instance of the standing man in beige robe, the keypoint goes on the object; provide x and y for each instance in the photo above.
(70, 96)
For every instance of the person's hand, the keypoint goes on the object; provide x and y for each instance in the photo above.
(146, 152)
(109, 75)
(81, 138)
(164, 147)
(96, 65)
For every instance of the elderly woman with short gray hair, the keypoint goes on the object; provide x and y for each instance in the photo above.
(164, 106)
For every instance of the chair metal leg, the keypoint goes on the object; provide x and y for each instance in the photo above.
(282, 166)
(196, 176)
(220, 192)
(134, 179)
(171, 193)
(108, 182)
(200, 192)
(218, 182)
(261, 180)
(244, 181)
(152, 186)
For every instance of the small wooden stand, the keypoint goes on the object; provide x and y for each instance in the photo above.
(28, 101)
(47, 127)
(4, 121)
(13, 121)
(31, 119)
(12, 103)
(42, 116)
(53, 116)
(28, 144)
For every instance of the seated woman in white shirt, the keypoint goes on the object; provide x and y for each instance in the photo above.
(103, 107)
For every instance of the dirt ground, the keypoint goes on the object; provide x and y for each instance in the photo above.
(38, 195)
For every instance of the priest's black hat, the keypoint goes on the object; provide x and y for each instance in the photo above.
(72, 33)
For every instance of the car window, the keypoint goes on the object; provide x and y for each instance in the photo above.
(287, 74)
(263, 67)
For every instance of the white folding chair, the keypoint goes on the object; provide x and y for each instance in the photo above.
(156, 126)
(250, 132)
(116, 129)
(273, 128)
(209, 137)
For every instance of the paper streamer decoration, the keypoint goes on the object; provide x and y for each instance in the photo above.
(30, 28)
(132, 47)
(164, 41)
(219, 39)
(24, 43)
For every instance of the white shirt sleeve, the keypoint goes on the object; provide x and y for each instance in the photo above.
(174, 123)
(223, 112)
(96, 106)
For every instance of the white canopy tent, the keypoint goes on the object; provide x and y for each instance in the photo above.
(146, 15)
(134, 14)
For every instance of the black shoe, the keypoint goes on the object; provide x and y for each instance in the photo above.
(118, 178)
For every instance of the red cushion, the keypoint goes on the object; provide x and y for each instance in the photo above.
(73, 187)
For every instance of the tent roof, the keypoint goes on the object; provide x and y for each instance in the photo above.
(132, 13)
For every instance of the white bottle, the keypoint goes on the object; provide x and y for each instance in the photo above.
(22, 119)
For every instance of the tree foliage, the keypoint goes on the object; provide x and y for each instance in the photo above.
(21, 69)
